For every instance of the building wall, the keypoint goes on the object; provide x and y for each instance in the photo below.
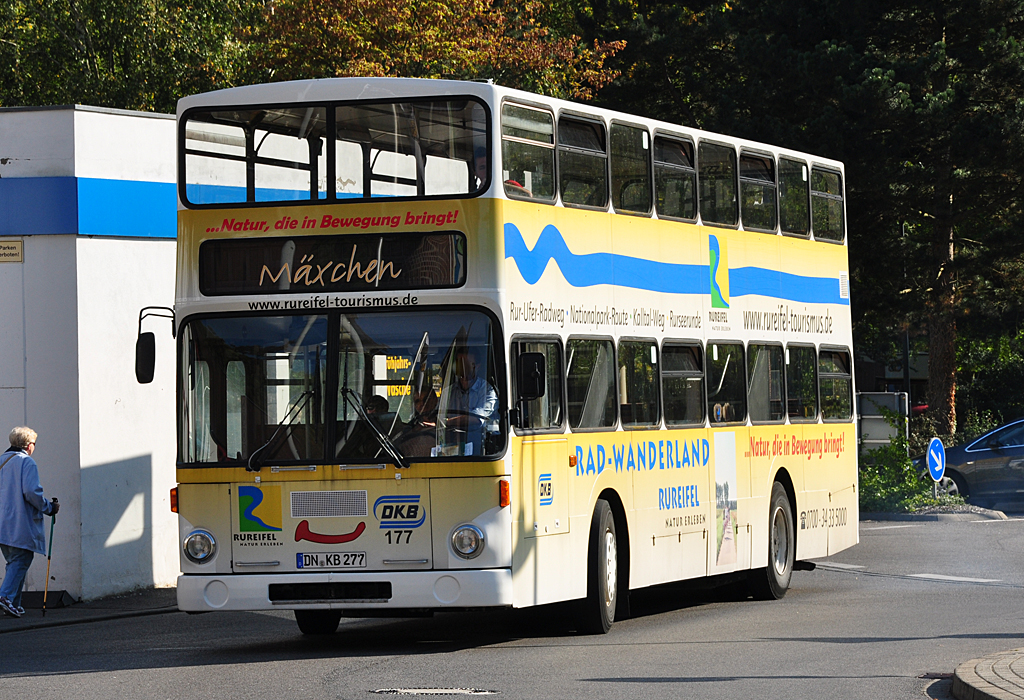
(90, 193)
(127, 436)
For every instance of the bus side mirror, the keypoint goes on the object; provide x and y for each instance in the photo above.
(530, 376)
(145, 357)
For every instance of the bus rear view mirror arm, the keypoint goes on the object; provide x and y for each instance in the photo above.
(145, 344)
(531, 376)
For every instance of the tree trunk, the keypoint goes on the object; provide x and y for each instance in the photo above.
(942, 324)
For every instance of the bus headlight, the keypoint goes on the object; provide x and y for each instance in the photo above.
(199, 546)
(468, 541)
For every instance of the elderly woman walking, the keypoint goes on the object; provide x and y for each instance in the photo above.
(22, 507)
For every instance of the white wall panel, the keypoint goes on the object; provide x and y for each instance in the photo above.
(37, 143)
(116, 146)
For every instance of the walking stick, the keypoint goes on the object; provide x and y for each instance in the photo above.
(49, 552)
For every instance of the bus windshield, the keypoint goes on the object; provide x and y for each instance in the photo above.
(335, 152)
(341, 387)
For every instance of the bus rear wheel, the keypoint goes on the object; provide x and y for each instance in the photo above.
(772, 582)
(597, 611)
(318, 621)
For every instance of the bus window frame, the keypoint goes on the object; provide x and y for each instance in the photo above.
(535, 338)
(650, 169)
(785, 411)
(501, 384)
(330, 107)
(707, 396)
(810, 197)
(735, 181)
(526, 104)
(685, 342)
(681, 138)
(754, 153)
(778, 169)
(817, 385)
(657, 380)
(615, 382)
(853, 403)
(573, 115)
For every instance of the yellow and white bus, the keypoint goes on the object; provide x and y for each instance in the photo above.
(446, 345)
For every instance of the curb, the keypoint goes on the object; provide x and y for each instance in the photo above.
(92, 618)
(981, 514)
(971, 678)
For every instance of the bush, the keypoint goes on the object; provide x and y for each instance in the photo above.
(891, 482)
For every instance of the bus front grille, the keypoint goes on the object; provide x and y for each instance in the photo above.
(348, 592)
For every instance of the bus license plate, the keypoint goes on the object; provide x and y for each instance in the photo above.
(331, 560)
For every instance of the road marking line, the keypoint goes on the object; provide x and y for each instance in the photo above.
(837, 565)
(941, 577)
(888, 527)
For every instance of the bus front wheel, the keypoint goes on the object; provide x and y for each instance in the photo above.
(772, 582)
(318, 621)
(597, 611)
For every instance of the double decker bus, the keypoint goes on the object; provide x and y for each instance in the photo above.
(445, 345)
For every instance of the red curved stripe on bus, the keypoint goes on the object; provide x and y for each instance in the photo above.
(302, 532)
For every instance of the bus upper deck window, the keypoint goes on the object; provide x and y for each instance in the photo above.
(716, 171)
(794, 192)
(411, 149)
(675, 179)
(528, 152)
(256, 155)
(631, 169)
(582, 163)
(827, 204)
(757, 192)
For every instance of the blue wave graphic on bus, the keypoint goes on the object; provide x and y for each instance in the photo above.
(256, 496)
(599, 268)
(592, 269)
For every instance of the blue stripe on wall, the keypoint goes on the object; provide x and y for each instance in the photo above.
(94, 207)
(127, 208)
(37, 205)
(650, 275)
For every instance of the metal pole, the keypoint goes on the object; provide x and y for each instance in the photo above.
(49, 553)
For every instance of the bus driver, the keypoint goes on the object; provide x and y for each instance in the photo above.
(472, 401)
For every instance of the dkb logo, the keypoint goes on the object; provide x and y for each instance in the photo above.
(399, 512)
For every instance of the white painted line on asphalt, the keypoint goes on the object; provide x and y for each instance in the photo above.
(888, 527)
(837, 565)
(941, 577)
(1008, 520)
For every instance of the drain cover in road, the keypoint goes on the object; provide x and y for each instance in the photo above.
(434, 691)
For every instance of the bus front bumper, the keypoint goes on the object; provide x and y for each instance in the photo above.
(362, 591)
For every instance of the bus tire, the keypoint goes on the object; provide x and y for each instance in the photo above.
(772, 582)
(597, 611)
(318, 621)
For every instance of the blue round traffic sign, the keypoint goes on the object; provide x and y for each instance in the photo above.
(936, 459)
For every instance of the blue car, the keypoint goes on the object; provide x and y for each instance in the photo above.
(989, 470)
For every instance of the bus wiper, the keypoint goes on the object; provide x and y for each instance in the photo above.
(289, 417)
(352, 399)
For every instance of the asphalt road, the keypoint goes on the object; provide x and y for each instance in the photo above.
(841, 632)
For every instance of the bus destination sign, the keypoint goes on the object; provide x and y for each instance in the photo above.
(309, 264)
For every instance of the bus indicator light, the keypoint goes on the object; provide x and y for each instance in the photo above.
(504, 497)
(174, 500)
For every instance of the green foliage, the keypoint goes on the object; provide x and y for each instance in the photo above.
(891, 482)
(131, 54)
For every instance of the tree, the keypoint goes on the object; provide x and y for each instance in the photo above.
(141, 54)
(471, 39)
(921, 100)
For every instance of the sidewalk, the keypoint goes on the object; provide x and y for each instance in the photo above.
(150, 601)
(996, 677)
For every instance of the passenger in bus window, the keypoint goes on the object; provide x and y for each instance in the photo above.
(472, 401)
